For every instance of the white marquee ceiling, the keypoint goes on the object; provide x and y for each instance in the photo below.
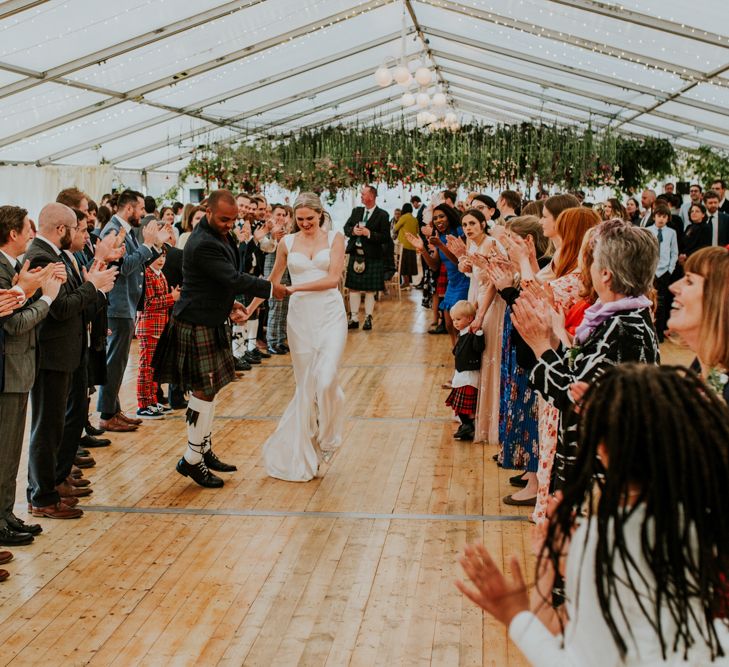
(140, 83)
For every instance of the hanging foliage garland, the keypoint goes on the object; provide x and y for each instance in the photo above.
(477, 156)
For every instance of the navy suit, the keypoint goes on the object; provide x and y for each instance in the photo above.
(123, 300)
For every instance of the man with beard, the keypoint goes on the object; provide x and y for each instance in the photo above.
(195, 351)
(123, 300)
(62, 344)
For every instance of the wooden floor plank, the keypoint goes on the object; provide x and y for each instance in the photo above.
(357, 569)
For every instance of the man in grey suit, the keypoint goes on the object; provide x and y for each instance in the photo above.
(63, 345)
(19, 367)
(123, 301)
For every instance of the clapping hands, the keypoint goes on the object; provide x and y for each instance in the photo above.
(489, 588)
(456, 246)
(10, 300)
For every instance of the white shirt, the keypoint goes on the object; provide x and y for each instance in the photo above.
(667, 250)
(367, 214)
(713, 219)
(588, 641)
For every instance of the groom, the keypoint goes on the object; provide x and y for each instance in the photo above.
(195, 352)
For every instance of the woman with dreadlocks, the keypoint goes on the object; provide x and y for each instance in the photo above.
(700, 314)
(643, 527)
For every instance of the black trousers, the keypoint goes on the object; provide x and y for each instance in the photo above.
(48, 415)
(76, 416)
(665, 299)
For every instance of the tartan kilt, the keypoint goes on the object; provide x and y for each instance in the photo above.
(372, 280)
(441, 284)
(463, 400)
(195, 357)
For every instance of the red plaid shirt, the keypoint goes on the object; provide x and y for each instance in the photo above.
(157, 303)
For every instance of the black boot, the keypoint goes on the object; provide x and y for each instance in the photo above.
(214, 463)
(199, 473)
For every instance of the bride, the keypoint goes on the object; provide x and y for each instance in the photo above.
(311, 428)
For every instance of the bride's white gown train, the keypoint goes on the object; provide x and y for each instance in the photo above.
(311, 427)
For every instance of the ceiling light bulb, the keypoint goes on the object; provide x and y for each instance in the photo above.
(423, 76)
(402, 75)
(383, 76)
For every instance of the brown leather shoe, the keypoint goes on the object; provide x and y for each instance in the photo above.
(71, 501)
(76, 472)
(84, 461)
(4, 574)
(127, 419)
(78, 481)
(58, 511)
(67, 489)
(117, 425)
(5, 557)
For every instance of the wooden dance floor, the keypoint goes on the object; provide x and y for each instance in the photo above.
(356, 567)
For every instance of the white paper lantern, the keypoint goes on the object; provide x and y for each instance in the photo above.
(402, 75)
(451, 118)
(423, 100)
(414, 65)
(423, 76)
(407, 100)
(383, 76)
(439, 100)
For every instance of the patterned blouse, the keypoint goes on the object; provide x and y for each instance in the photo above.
(627, 336)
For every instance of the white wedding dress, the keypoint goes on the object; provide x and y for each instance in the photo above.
(311, 428)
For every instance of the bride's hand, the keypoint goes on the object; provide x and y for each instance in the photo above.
(290, 290)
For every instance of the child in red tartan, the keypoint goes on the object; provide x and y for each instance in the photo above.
(467, 352)
(150, 323)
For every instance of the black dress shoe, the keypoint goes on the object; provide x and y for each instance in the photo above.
(199, 473)
(93, 441)
(251, 358)
(273, 350)
(262, 354)
(214, 463)
(241, 364)
(92, 430)
(19, 526)
(353, 324)
(83, 452)
(283, 348)
(367, 326)
(12, 538)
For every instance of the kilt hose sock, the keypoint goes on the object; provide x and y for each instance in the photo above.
(199, 418)
(355, 299)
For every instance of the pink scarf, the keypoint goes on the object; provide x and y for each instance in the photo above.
(598, 312)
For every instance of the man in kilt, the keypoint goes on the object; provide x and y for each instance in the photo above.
(195, 350)
(368, 230)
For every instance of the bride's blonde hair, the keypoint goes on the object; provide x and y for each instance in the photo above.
(308, 200)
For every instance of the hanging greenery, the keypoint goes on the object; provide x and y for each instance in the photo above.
(332, 158)
(708, 164)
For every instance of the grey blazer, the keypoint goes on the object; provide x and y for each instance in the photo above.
(127, 290)
(21, 338)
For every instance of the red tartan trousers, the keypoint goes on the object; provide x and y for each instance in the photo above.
(146, 386)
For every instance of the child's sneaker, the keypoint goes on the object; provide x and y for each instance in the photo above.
(150, 412)
(163, 409)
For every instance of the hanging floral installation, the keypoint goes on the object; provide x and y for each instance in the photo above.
(334, 158)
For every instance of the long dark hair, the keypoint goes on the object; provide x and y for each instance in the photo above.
(665, 434)
(454, 219)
